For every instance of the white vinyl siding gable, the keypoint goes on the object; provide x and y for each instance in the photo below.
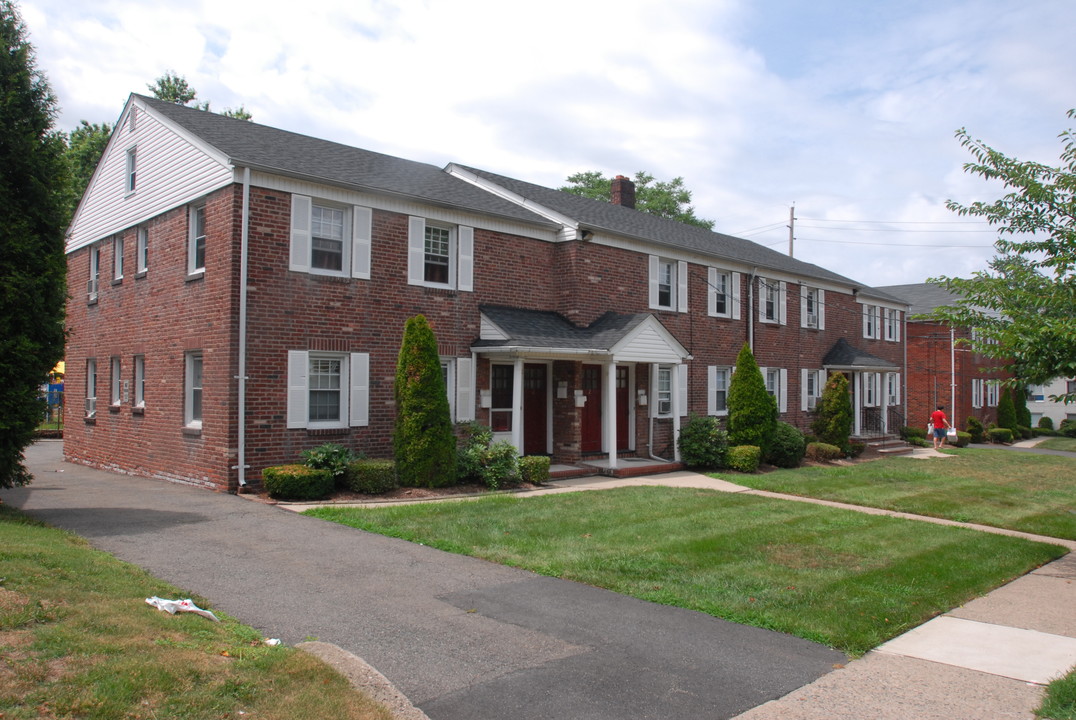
(173, 170)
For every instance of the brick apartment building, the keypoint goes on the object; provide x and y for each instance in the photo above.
(239, 294)
(941, 370)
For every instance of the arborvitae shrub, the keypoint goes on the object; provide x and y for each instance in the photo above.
(1007, 412)
(423, 442)
(744, 458)
(788, 446)
(833, 425)
(297, 482)
(703, 444)
(1019, 402)
(752, 410)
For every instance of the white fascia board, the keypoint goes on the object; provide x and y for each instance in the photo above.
(491, 187)
(525, 351)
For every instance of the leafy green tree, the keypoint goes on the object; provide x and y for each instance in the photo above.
(174, 88)
(85, 145)
(752, 410)
(664, 198)
(1022, 306)
(1007, 412)
(833, 424)
(33, 216)
(423, 441)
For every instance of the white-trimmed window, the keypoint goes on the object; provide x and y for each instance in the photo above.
(870, 321)
(717, 391)
(777, 386)
(869, 382)
(140, 381)
(130, 172)
(771, 300)
(892, 389)
(976, 392)
(502, 389)
(142, 250)
(328, 389)
(91, 387)
(192, 389)
(723, 293)
(329, 239)
(117, 257)
(95, 273)
(993, 392)
(664, 391)
(196, 240)
(811, 384)
(668, 284)
(892, 324)
(440, 255)
(117, 381)
(812, 308)
(1036, 393)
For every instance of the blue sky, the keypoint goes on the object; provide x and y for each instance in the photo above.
(845, 108)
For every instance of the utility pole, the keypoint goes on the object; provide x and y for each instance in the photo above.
(791, 227)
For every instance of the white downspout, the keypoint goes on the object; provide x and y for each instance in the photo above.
(241, 424)
(952, 373)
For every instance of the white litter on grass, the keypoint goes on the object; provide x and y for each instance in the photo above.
(173, 606)
(272, 642)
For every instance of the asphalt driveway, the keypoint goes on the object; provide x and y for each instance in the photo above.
(464, 639)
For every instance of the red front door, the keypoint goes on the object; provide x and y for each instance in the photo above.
(623, 398)
(535, 404)
(591, 416)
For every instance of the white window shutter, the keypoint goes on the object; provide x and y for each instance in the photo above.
(711, 390)
(821, 309)
(301, 208)
(735, 296)
(803, 389)
(361, 238)
(464, 389)
(359, 409)
(762, 299)
(896, 388)
(653, 281)
(782, 302)
(803, 305)
(681, 280)
(784, 391)
(866, 320)
(416, 250)
(681, 381)
(896, 325)
(465, 276)
(298, 394)
(711, 292)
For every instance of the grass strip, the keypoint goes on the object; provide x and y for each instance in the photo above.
(1060, 700)
(77, 640)
(1001, 488)
(838, 577)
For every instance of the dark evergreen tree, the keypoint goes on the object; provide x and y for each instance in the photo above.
(833, 425)
(1019, 402)
(33, 215)
(1007, 413)
(752, 410)
(423, 441)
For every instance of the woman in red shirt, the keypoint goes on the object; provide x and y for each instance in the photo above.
(940, 422)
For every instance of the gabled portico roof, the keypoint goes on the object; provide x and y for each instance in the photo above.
(614, 337)
(844, 356)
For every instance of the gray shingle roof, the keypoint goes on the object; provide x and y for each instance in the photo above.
(598, 215)
(267, 148)
(546, 329)
(923, 297)
(843, 355)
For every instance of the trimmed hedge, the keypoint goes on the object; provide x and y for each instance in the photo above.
(787, 447)
(962, 439)
(703, 444)
(824, 452)
(908, 432)
(371, 477)
(297, 482)
(534, 469)
(1000, 435)
(744, 458)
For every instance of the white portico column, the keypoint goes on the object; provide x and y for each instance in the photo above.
(609, 413)
(517, 405)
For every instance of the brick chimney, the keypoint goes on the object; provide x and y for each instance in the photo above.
(623, 192)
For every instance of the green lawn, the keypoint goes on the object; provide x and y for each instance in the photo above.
(839, 577)
(1058, 443)
(1002, 488)
(77, 640)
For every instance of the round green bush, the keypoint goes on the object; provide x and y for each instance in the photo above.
(1046, 422)
(297, 482)
(371, 477)
(332, 457)
(534, 469)
(962, 439)
(703, 444)
(824, 452)
(1000, 435)
(787, 446)
(976, 429)
(744, 458)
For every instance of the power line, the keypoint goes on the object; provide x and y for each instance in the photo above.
(900, 222)
(888, 244)
(892, 230)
